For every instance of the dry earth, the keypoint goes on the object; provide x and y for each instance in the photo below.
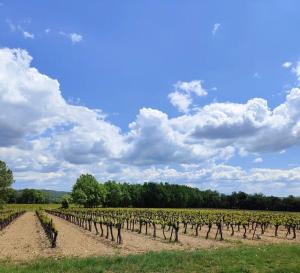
(24, 239)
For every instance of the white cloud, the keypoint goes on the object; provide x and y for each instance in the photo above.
(28, 35)
(215, 28)
(258, 160)
(153, 140)
(296, 70)
(181, 98)
(191, 87)
(47, 30)
(181, 101)
(74, 37)
(247, 126)
(46, 139)
(287, 65)
(31, 106)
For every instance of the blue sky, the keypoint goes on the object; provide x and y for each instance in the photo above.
(202, 93)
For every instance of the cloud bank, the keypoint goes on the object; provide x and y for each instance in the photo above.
(48, 141)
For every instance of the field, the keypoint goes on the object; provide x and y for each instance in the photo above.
(30, 207)
(151, 240)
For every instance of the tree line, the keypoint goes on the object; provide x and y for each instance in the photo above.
(89, 193)
(28, 196)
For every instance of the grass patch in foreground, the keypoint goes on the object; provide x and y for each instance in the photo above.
(269, 258)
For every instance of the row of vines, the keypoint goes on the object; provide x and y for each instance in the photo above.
(8, 216)
(48, 227)
(109, 222)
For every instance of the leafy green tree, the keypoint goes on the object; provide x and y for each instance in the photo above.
(66, 200)
(114, 194)
(6, 180)
(11, 196)
(88, 192)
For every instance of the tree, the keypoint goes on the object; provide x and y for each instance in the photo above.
(6, 180)
(114, 194)
(88, 192)
(11, 196)
(66, 200)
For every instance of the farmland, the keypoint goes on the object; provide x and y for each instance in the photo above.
(108, 231)
(96, 229)
(85, 234)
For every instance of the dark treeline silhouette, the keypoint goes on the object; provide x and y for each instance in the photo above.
(164, 195)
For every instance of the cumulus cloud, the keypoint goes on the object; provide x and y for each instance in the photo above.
(181, 101)
(181, 98)
(245, 126)
(32, 106)
(51, 141)
(152, 140)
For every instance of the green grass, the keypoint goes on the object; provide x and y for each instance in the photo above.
(269, 258)
(31, 207)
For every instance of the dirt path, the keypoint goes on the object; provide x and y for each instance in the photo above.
(71, 241)
(139, 243)
(24, 239)
(75, 240)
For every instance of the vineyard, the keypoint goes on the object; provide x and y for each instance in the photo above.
(115, 231)
(6, 217)
(148, 221)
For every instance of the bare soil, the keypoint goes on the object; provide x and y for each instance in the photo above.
(132, 241)
(73, 242)
(24, 239)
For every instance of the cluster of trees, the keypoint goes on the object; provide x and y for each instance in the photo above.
(89, 193)
(28, 196)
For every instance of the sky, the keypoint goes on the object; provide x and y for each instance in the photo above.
(200, 93)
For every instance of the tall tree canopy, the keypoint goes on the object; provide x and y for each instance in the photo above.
(88, 192)
(6, 180)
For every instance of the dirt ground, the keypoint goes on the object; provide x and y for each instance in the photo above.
(24, 239)
(132, 241)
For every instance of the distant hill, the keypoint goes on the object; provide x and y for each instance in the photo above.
(54, 196)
